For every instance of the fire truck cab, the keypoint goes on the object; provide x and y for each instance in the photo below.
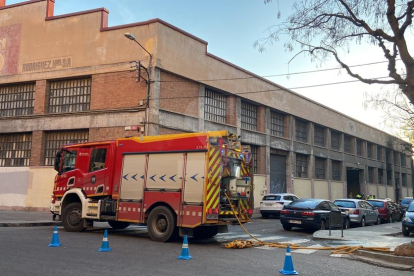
(194, 184)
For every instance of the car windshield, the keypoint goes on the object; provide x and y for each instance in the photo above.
(303, 204)
(345, 203)
(411, 207)
(271, 197)
(406, 200)
(379, 204)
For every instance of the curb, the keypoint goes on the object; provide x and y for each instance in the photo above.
(387, 260)
(30, 224)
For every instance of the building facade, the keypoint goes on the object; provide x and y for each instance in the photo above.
(72, 78)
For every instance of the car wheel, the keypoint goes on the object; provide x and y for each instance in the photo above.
(378, 222)
(405, 232)
(72, 217)
(322, 225)
(362, 223)
(287, 227)
(265, 216)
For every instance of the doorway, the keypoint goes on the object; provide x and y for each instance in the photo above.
(352, 180)
(277, 173)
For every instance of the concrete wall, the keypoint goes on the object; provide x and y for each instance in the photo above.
(321, 189)
(337, 190)
(381, 191)
(302, 188)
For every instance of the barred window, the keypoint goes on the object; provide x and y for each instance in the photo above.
(301, 165)
(320, 168)
(347, 143)
(404, 180)
(248, 116)
(379, 153)
(319, 136)
(369, 150)
(15, 149)
(336, 170)
(380, 176)
(388, 155)
(254, 155)
(277, 124)
(301, 131)
(335, 140)
(16, 100)
(370, 175)
(403, 160)
(359, 147)
(215, 106)
(389, 175)
(56, 139)
(70, 95)
(396, 158)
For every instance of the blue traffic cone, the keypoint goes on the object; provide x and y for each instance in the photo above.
(55, 239)
(185, 254)
(105, 243)
(288, 266)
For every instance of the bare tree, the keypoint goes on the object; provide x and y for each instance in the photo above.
(325, 27)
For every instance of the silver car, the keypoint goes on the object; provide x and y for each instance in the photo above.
(360, 212)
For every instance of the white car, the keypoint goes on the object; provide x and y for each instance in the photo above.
(272, 204)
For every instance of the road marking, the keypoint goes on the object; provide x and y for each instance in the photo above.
(296, 241)
(337, 255)
(231, 237)
(307, 251)
(273, 238)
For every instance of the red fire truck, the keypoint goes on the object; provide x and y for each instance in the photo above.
(174, 184)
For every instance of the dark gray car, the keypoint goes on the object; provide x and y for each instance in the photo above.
(360, 212)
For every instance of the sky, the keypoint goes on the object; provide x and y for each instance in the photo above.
(232, 26)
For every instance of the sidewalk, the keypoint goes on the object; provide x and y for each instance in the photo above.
(25, 218)
(384, 235)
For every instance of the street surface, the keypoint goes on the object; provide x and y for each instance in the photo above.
(24, 251)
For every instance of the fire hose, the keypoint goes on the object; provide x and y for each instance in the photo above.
(241, 244)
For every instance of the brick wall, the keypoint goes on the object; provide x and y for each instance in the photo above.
(261, 118)
(231, 117)
(37, 151)
(40, 103)
(173, 87)
(110, 133)
(165, 131)
(116, 90)
(261, 160)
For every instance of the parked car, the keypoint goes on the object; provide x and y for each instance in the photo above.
(389, 210)
(405, 203)
(360, 211)
(272, 204)
(310, 213)
(408, 220)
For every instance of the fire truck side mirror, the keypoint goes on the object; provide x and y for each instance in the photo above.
(57, 161)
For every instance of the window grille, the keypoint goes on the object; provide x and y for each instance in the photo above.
(404, 180)
(335, 140)
(55, 140)
(319, 136)
(320, 168)
(369, 150)
(70, 95)
(347, 144)
(301, 165)
(301, 131)
(336, 170)
(277, 124)
(16, 100)
(370, 175)
(379, 153)
(403, 160)
(248, 116)
(254, 155)
(15, 149)
(380, 176)
(215, 106)
(359, 147)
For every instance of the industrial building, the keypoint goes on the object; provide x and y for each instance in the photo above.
(72, 78)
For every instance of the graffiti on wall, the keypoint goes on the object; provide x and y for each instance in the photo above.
(9, 49)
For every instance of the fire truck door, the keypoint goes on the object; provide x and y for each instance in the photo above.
(95, 180)
(194, 180)
(133, 174)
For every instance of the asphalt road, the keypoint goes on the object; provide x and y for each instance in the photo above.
(24, 251)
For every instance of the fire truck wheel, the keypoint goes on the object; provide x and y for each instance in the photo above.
(205, 232)
(161, 224)
(72, 217)
(118, 224)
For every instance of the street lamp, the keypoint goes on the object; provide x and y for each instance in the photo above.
(132, 37)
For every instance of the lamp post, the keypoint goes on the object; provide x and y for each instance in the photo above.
(132, 37)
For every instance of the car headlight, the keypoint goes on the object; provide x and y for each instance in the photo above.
(406, 219)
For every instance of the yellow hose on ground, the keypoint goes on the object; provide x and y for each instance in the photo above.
(241, 244)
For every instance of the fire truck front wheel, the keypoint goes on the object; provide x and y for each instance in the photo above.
(161, 224)
(72, 217)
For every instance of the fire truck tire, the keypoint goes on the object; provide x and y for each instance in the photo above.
(118, 224)
(72, 217)
(205, 232)
(162, 224)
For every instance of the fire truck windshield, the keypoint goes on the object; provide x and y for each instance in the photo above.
(69, 160)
